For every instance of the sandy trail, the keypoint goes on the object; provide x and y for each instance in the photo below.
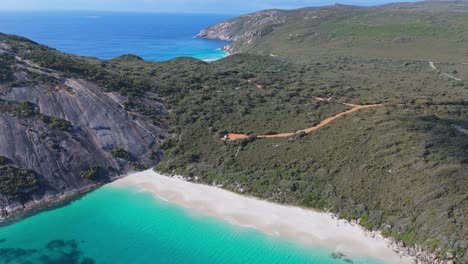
(431, 64)
(307, 227)
(452, 77)
(461, 129)
(355, 108)
(322, 99)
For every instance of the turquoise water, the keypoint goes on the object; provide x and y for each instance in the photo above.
(117, 225)
(107, 35)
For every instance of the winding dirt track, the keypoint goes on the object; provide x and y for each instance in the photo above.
(431, 64)
(461, 129)
(355, 108)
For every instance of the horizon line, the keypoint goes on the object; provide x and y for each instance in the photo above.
(121, 11)
(208, 12)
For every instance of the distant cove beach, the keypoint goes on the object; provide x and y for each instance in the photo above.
(345, 240)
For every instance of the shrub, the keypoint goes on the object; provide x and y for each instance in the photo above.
(54, 146)
(6, 73)
(3, 160)
(95, 173)
(26, 109)
(57, 123)
(151, 154)
(122, 154)
(168, 143)
(15, 181)
(138, 166)
(191, 157)
(45, 119)
(61, 124)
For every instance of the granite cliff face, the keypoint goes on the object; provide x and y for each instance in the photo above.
(59, 156)
(245, 29)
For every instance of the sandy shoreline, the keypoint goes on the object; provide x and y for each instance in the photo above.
(302, 225)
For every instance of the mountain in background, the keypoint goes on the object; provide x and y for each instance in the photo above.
(431, 30)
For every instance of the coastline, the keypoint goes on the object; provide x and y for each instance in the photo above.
(21, 211)
(302, 225)
(226, 53)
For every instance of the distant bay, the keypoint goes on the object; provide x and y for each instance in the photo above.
(106, 35)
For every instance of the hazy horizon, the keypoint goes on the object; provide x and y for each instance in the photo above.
(174, 6)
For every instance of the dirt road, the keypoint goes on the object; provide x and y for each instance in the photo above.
(461, 129)
(431, 64)
(355, 108)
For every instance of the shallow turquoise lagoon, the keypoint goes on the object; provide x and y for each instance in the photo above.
(117, 225)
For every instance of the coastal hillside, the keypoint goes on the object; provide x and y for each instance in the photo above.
(400, 168)
(428, 30)
(275, 121)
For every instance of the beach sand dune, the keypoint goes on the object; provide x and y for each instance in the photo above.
(302, 225)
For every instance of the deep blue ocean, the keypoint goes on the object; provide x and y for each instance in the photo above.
(107, 35)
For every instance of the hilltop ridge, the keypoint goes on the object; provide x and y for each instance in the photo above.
(397, 31)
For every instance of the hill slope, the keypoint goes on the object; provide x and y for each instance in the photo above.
(401, 168)
(425, 31)
(382, 166)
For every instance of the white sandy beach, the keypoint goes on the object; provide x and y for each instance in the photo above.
(302, 225)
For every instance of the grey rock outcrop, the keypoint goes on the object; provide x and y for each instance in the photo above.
(99, 124)
(246, 29)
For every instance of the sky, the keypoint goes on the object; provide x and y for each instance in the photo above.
(175, 6)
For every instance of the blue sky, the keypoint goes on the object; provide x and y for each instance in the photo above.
(175, 6)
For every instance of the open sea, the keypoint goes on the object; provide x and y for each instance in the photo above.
(107, 35)
(117, 225)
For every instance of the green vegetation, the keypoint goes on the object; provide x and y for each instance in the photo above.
(16, 181)
(138, 166)
(42, 78)
(61, 124)
(95, 173)
(415, 29)
(88, 68)
(401, 168)
(6, 73)
(27, 109)
(122, 154)
(57, 123)
(151, 155)
(3, 160)
(400, 30)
